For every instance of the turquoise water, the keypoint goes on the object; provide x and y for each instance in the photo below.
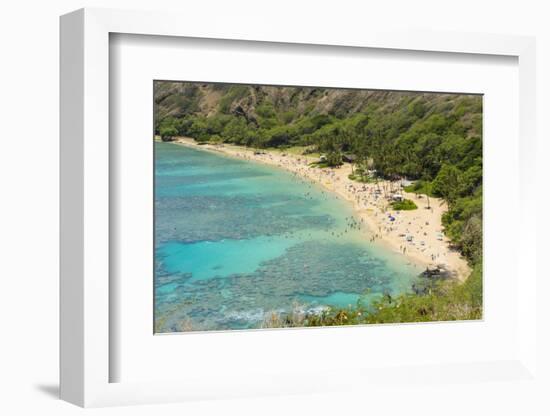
(236, 240)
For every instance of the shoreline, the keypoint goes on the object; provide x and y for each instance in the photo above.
(429, 246)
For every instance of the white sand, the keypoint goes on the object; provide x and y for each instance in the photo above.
(428, 245)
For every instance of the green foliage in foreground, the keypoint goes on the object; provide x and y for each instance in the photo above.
(447, 301)
(443, 301)
(405, 205)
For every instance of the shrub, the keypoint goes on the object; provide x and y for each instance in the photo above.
(405, 205)
(334, 159)
(167, 133)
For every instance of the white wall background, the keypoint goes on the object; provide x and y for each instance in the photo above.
(29, 206)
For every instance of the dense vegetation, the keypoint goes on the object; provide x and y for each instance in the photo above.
(433, 139)
(405, 205)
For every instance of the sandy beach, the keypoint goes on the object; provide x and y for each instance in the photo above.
(417, 234)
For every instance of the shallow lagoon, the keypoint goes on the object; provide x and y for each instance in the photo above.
(235, 240)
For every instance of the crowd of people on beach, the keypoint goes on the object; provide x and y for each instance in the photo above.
(416, 234)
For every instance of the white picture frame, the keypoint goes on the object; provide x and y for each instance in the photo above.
(86, 356)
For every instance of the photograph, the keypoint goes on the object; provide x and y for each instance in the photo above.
(291, 206)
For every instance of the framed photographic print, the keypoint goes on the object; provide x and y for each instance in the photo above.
(287, 222)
